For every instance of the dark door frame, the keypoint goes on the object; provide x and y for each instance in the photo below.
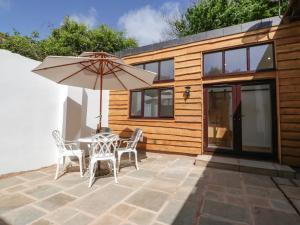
(237, 124)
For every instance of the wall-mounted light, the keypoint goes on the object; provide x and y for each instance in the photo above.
(187, 92)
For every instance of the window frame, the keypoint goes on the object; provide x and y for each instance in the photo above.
(159, 69)
(247, 47)
(159, 89)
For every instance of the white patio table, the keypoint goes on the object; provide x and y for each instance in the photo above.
(87, 140)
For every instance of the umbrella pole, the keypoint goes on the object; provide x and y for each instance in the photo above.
(100, 118)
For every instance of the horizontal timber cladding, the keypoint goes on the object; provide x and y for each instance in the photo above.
(183, 133)
(288, 66)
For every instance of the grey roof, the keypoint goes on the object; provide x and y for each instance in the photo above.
(250, 26)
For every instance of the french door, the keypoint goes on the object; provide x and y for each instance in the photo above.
(240, 118)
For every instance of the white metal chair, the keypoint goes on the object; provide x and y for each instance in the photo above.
(65, 149)
(103, 150)
(130, 147)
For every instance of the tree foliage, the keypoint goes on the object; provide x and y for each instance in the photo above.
(207, 15)
(71, 38)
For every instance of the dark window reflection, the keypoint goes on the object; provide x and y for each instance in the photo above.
(136, 103)
(236, 60)
(141, 66)
(213, 63)
(153, 67)
(261, 57)
(151, 103)
(167, 70)
(166, 103)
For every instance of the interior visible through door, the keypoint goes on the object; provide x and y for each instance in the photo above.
(239, 118)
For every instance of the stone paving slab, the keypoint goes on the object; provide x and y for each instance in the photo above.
(179, 213)
(79, 219)
(142, 217)
(55, 201)
(263, 216)
(227, 211)
(22, 216)
(123, 210)
(43, 191)
(168, 189)
(148, 199)
(42, 222)
(61, 215)
(13, 201)
(101, 200)
(8, 182)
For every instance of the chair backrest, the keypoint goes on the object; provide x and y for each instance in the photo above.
(136, 136)
(59, 141)
(105, 146)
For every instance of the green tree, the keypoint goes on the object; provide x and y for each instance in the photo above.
(71, 38)
(207, 15)
(24, 45)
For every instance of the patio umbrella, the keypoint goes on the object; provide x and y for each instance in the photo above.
(94, 70)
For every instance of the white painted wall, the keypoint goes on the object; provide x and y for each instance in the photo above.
(32, 106)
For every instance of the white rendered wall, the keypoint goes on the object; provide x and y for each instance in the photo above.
(31, 107)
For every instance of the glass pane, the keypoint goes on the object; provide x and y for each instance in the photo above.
(256, 118)
(236, 60)
(261, 57)
(141, 66)
(153, 67)
(166, 103)
(151, 103)
(212, 63)
(136, 103)
(167, 70)
(220, 128)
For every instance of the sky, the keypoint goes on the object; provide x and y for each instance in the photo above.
(146, 21)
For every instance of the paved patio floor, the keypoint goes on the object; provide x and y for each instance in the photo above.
(168, 189)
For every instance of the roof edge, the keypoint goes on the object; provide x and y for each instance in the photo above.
(235, 29)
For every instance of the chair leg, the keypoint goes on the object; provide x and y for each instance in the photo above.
(80, 165)
(92, 174)
(115, 171)
(57, 169)
(136, 162)
(119, 160)
(63, 164)
(129, 156)
(83, 160)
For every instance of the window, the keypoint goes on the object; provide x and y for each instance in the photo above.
(238, 60)
(164, 69)
(152, 103)
(136, 106)
(153, 67)
(261, 57)
(213, 63)
(166, 103)
(167, 70)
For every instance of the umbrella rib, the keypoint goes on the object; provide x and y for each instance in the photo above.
(73, 74)
(68, 64)
(96, 81)
(89, 69)
(118, 78)
(132, 75)
(110, 69)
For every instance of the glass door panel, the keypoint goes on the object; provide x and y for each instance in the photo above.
(256, 110)
(219, 117)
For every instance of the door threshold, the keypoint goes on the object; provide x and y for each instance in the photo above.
(245, 165)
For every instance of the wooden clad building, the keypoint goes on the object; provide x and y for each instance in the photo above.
(234, 90)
